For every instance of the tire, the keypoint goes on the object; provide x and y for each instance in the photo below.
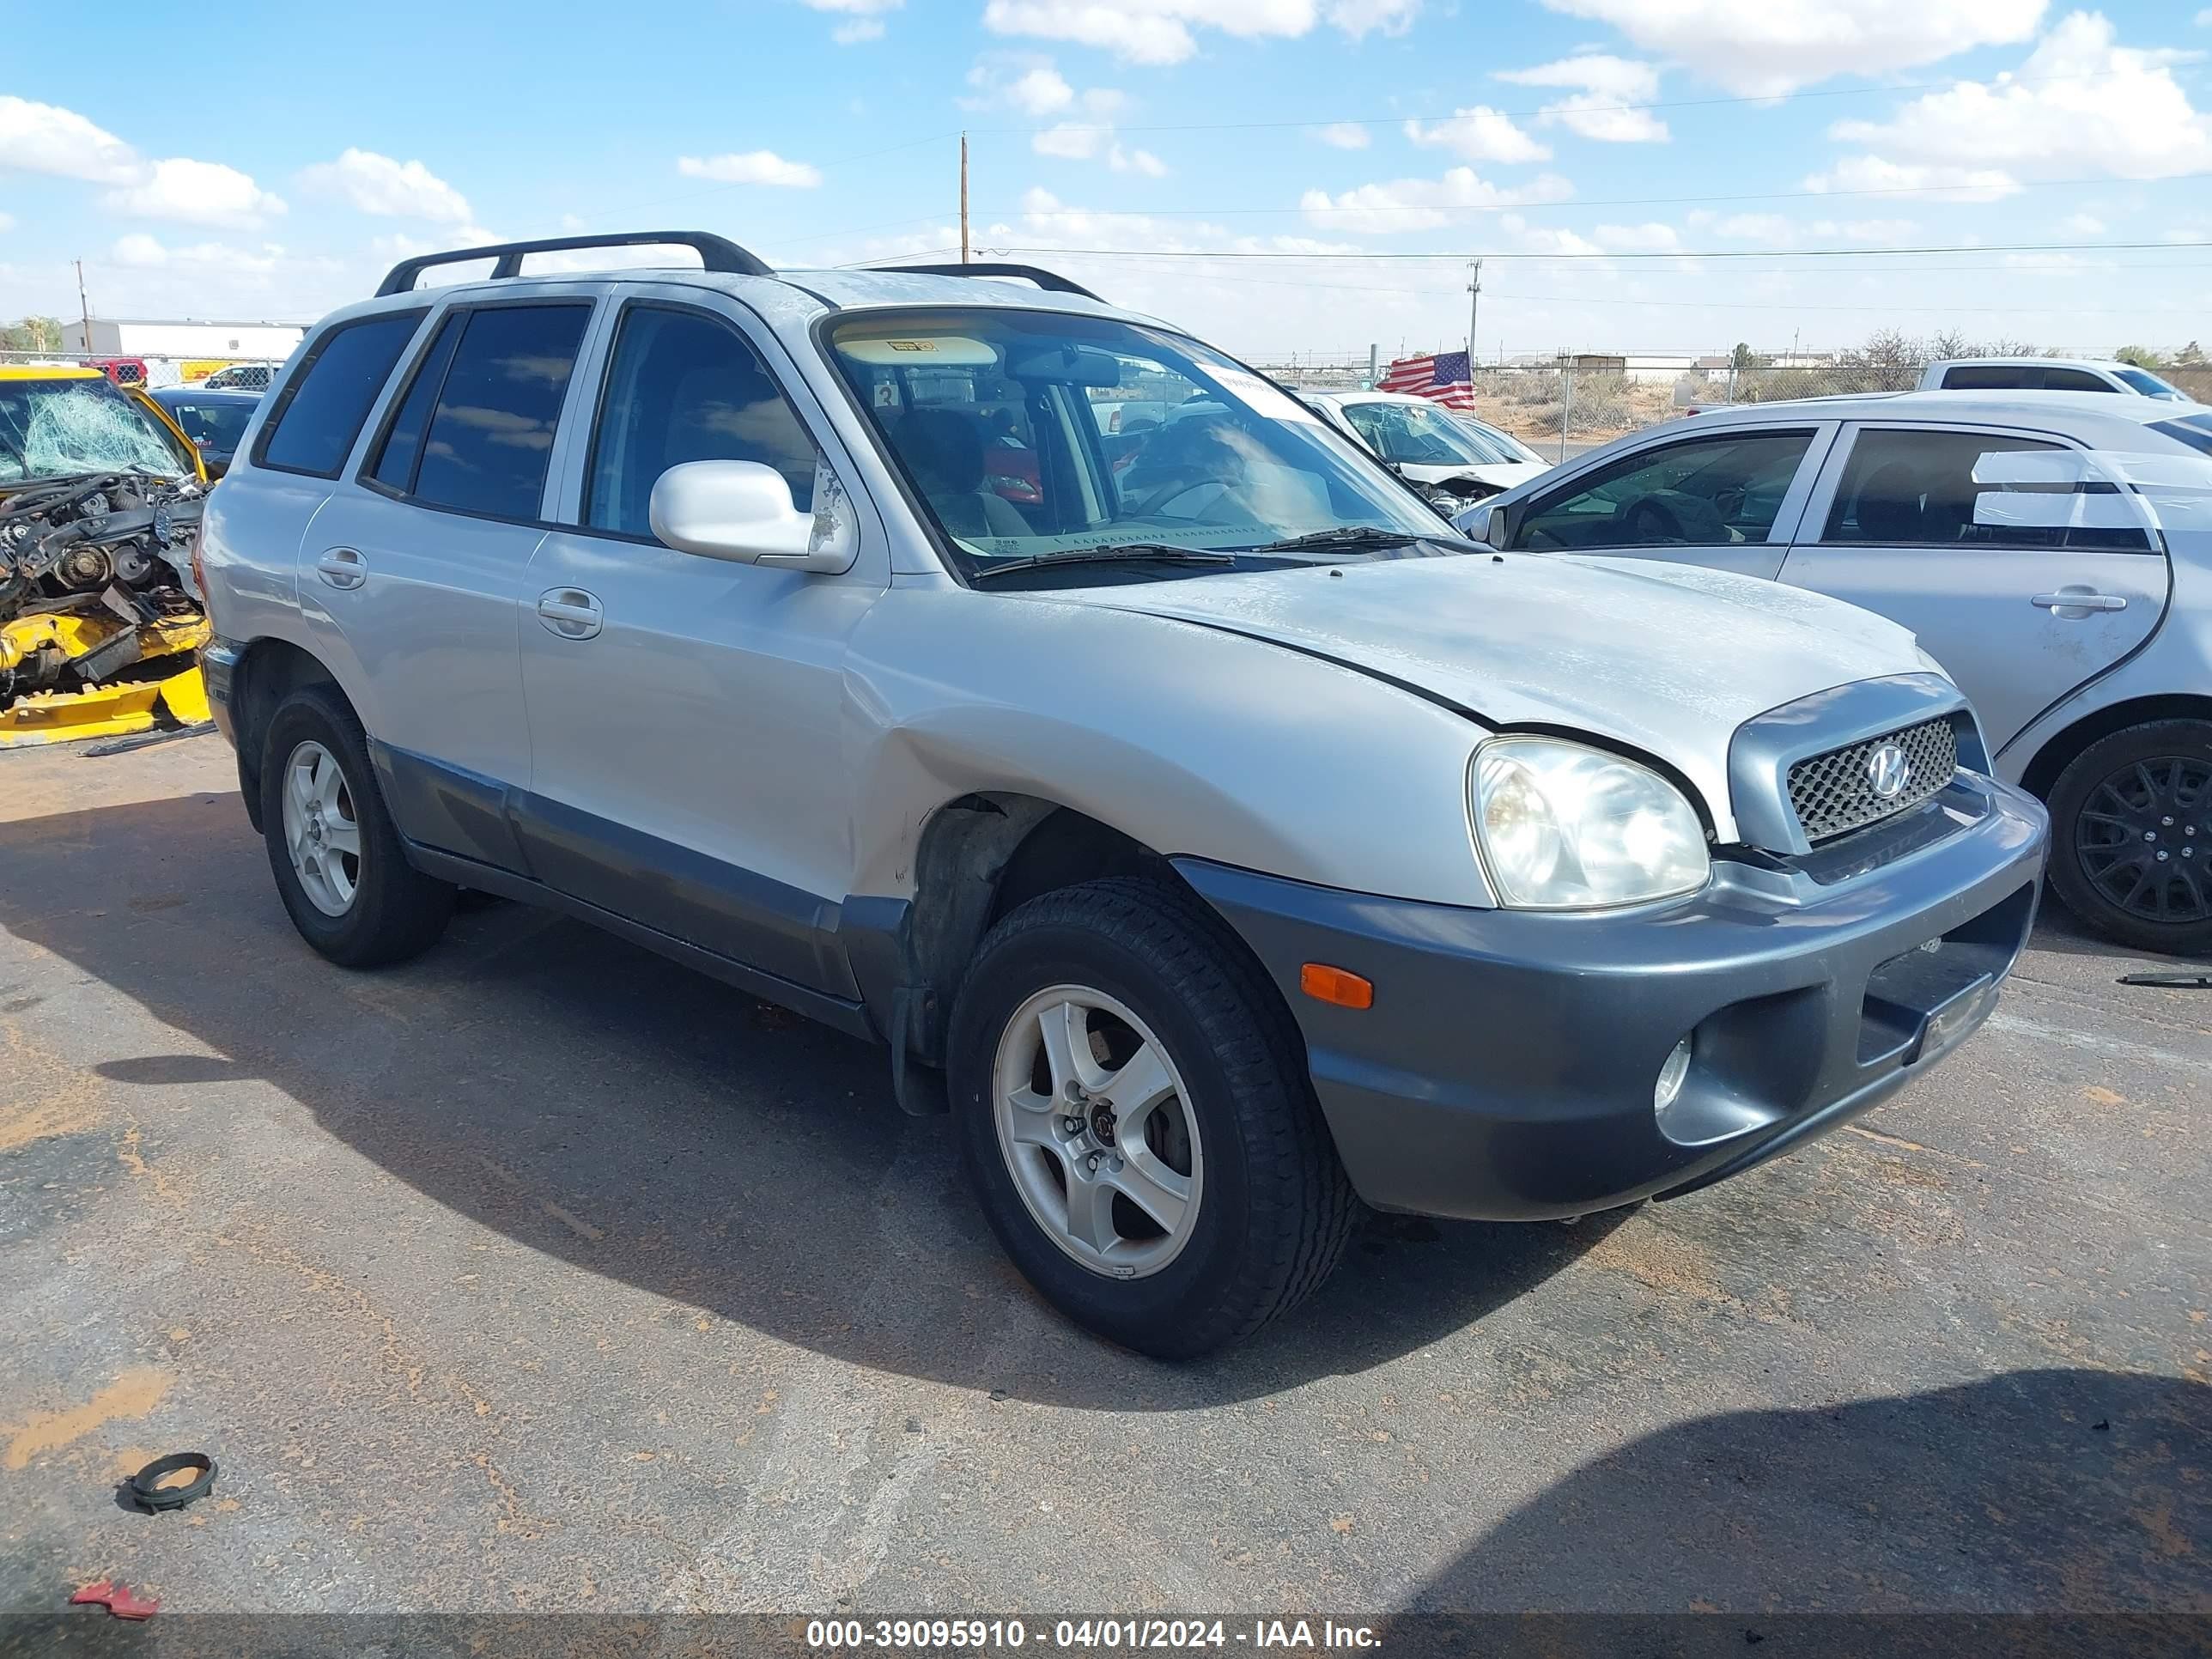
(385, 910)
(2121, 802)
(1269, 1207)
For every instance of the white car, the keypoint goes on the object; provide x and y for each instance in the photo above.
(2047, 374)
(1427, 444)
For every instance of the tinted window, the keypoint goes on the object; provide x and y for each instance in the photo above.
(215, 427)
(683, 387)
(1956, 490)
(490, 435)
(329, 396)
(2074, 379)
(1991, 377)
(1709, 492)
(402, 442)
(2149, 385)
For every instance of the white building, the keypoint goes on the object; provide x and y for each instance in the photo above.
(183, 351)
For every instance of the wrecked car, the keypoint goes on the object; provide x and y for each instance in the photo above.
(100, 623)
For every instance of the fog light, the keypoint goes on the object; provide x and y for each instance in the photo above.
(1671, 1076)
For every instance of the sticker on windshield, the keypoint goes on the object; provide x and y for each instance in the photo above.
(887, 396)
(1260, 396)
(911, 345)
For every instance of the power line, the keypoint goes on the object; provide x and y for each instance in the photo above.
(1547, 109)
(1599, 202)
(1461, 254)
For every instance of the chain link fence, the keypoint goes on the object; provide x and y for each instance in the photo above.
(155, 371)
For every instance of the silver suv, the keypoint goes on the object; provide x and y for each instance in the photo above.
(2052, 548)
(1222, 840)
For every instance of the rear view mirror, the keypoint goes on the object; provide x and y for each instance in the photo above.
(742, 511)
(1070, 365)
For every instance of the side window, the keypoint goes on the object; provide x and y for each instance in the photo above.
(2074, 379)
(685, 386)
(1922, 489)
(490, 435)
(1706, 492)
(401, 451)
(329, 396)
(1993, 377)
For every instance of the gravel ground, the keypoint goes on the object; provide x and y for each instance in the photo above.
(541, 1274)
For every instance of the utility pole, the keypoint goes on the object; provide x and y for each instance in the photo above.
(83, 308)
(1474, 309)
(964, 198)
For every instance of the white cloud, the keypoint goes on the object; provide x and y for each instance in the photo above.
(1422, 204)
(1136, 160)
(1650, 237)
(1070, 141)
(2081, 104)
(1872, 175)
(858, 30)
(197, 193)
(1164, 31)
(755, 166)
(1479, 134)
(7, 222)
(1774, 230)
(2082, 224)
(1604, 82)
(1041, 91)
(1762, 48)
(1357, 17)
(140, 251)
(856, 8)
(1344, 134)
(45, 138)
(398, 189)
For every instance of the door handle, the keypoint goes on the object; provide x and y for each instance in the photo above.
(2077, 602)
(570, 612)
(341, 567)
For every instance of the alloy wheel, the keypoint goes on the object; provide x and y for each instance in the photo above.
(1097, 1130)
(321, 831)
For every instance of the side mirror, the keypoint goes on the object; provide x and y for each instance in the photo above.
(742, 511)
(1498, 529)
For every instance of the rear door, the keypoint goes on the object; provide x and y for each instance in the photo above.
(2023, 573)
(1726, 499)
(416, 566)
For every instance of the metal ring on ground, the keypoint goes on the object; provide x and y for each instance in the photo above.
(146, 1487)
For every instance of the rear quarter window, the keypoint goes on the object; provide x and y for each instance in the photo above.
(321, 409)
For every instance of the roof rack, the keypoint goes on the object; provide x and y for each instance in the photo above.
(1052, 280)
(715, 253)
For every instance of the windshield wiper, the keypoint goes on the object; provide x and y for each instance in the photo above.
(1118, 553)
(1353, 537)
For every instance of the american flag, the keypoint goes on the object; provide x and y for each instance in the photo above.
(1442, 377)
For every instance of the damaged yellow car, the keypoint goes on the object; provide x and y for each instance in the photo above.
(100, 620)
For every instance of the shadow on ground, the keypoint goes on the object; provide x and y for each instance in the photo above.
(595, 1103)
(2069, 1491)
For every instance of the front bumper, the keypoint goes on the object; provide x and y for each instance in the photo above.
(1506, 1069)
(219, 663)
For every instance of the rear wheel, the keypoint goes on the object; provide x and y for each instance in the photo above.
(1136, 1120)
(2132, 818)
(340, 865)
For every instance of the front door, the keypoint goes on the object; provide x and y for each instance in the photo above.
(2021, 573)
(687, 715)
(1726, 501)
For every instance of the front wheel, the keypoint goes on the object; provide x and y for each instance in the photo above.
(1136, 1120)
(2132, 819)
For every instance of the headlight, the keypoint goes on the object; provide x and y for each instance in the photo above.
(1563, 827)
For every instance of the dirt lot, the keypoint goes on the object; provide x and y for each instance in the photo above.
(541, 1274)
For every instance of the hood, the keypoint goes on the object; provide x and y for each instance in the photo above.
(1665, 659)
(1504, 475)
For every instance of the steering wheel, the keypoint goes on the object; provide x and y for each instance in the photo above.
(1650, 519)
(1172, 491)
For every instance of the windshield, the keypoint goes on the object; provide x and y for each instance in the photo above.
(1508, 449)
(1426, 435)
(51, 428)
(1031, 436)
(215, 427)
(2150, 385)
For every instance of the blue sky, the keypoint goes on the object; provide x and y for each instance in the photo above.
(1600, 154)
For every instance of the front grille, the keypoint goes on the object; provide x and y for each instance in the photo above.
(1833, 794)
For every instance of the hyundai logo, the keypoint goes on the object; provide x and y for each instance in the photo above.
(1888, 771)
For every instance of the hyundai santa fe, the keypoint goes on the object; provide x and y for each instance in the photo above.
(1223, 842)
